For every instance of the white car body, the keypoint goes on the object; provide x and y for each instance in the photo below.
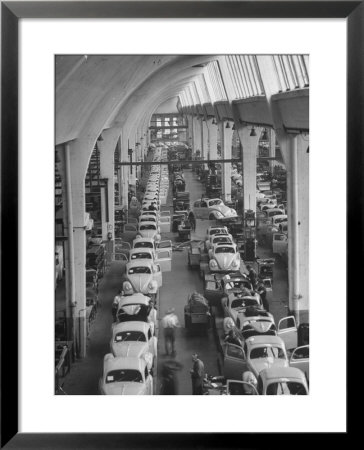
(149, 230)
(224, 258)
(218, 238)
(125, 376)
(133, 339)
(211, 209)
(142, 276)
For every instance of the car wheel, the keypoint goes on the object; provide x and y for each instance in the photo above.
(212, 217)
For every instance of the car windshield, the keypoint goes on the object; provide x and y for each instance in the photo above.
(243, 303)
(143, 245)
(117, 376)
(267, 352)
(148, 227)
(141, 269)
(130, 336)
(225, 250)
(141, 255)
(218, 231)
(215, 202)
(280, 219)
(221, 239)
(239, 284)
(286, 388)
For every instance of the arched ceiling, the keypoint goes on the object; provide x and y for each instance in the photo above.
(97, 92)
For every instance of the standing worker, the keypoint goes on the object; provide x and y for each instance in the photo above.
(192, 219)
(252, 275)
(170, 323)
(197, 375)
(262, 291)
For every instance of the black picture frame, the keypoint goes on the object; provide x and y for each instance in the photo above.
(11, 12)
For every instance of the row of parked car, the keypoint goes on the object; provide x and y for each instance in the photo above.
(128, 368)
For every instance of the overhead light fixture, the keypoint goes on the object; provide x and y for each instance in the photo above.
(227, 124)
(100, 138)
(213, 121)
(264, 135)
(253, 133)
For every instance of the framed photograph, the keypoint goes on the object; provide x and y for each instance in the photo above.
(137, 125)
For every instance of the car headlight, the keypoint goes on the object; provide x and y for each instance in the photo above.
(219, 215)
(152, 285)
(157, 237)
(236, 263)
(127, 286)
(213, 263)
(232, 212)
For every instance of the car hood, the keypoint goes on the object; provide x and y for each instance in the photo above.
(259, 326)
(127, 388)
(257, 365)
(140, 282)
(148, 233)
(134, 349)
(224, 260)
(225, 210)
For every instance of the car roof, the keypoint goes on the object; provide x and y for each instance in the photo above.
(276, 372)
(148, 223)
(264, 340)
(141, 250)
(134, 325)
(134, 298)
(139, 263)
(124, 362)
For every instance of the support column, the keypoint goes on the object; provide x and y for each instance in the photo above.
(226, 135)
(205, 140)
(124, 170)
(249, 161)
(107, 150)
(119, 172)
(79, 153)
(297, 163)
(212, 138)
(189, 135)
(272, 149)
(196, 137)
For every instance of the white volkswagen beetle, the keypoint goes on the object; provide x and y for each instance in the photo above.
(224, 258)
(134, 338)
(125, 376)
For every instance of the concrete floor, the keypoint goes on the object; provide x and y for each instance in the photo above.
(177, 284)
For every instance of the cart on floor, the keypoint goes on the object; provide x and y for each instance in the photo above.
(194, 254)
(197, 312)
(184, 231)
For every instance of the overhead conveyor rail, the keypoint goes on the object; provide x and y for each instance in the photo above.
(189, 161)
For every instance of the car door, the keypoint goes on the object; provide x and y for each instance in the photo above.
(164, 255)
(130, 231)
(204, 210)
(235, 387)
(279, 243)
(165, 224)
(234, 362)
(157, 274)
(152, 343)
(287, 331)
(300, 358)
(197, 209)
